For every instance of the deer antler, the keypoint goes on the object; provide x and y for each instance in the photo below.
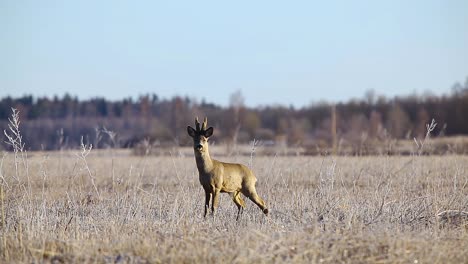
(205, 124)
(197, 124)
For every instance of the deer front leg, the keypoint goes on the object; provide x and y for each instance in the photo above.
(207, 202)
(215, 202)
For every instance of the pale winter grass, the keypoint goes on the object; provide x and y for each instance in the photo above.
(111, 207)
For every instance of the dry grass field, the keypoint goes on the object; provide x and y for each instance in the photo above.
(113, 207)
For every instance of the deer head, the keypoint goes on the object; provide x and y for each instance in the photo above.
(200, 135)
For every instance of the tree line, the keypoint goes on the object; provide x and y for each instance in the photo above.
(63, 122)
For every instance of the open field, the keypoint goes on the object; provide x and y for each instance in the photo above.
(112, 207)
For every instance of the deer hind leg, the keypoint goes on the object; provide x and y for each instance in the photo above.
(253, 196)
(236, 197)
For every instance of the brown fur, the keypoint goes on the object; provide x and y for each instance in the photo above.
(217, 177)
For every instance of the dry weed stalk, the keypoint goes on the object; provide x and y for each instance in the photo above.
(112, 135)
(15, 140)
(2, 200)
(4, 181)
(254, 145)
(85, 150)
(420, 144)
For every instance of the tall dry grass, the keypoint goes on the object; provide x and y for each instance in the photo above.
(94, 206)
(149, 209)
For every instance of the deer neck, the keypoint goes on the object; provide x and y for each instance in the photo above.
(204, 161)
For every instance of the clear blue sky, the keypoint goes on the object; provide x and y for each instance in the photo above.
(287, 52)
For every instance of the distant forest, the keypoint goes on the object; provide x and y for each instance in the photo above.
(61, 123)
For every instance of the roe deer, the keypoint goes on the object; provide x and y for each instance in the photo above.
(217, 177)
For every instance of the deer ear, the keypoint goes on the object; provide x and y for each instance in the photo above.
(209, 132)
(191, 131)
